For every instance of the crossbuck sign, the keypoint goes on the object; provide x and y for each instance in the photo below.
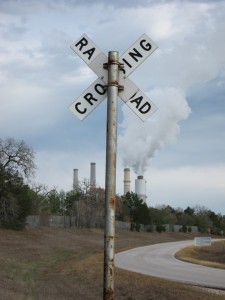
(112, 80)
(134, 98)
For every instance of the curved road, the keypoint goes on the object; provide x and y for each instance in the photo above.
(159, 261)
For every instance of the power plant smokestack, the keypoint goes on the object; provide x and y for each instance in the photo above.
(93, 175)
(140, 188)
(75, 179)
(126, 180)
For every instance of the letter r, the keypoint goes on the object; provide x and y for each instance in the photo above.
(83, 42)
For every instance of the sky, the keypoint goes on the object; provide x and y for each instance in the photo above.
(179, 150)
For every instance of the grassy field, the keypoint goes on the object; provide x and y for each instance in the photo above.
(212, 256)
(68, 264)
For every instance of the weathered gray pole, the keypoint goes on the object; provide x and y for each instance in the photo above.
(110, 177)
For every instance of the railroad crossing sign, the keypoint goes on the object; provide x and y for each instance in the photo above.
(113, 77)
(134, 98)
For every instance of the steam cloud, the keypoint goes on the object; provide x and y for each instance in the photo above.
(139, 142)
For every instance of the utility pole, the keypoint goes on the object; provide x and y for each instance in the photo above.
(110, 174)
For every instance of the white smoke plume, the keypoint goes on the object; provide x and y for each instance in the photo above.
(139, 142)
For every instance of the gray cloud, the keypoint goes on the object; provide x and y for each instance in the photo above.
(40, 76)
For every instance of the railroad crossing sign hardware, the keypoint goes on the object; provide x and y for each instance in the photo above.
(97, 61)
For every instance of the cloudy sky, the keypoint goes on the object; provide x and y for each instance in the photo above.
(180, 149)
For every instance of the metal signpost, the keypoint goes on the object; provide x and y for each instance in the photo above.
(113, 80)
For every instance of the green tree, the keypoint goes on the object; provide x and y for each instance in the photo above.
(16, 165)
(186, 217)
(71, 205)
(15, 201)
(162, 215)
(136, 210)
(56, 202)
(202, 218)
(218, 222)
(156, 216)
(190, 211)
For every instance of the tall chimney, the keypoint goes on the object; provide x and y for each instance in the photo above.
(140, 188)
(75, 179)
(93, 175)
(126, 180)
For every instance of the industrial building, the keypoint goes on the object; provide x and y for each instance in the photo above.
(140, 185)
(92, 177)
(140, 182)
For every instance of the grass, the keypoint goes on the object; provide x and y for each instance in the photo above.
(66, 264)
(211, 256)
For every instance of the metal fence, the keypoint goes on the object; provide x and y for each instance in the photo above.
(53, 221)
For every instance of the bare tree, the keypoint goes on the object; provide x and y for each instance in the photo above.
(17, 156)
(87, 205)
(91, 207)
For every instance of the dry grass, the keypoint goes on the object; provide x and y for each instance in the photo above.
(212, 256)
(66, 264)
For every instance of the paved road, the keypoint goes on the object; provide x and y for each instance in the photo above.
(159, 261)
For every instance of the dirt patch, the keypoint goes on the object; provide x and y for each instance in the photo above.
(211, 256)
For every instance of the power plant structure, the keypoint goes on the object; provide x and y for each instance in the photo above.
(140, 182)
(140, 188)
(75, 180)
(126, 181)
(140, 185)
(92, 177)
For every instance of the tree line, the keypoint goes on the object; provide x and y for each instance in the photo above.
(19, 197)
(200, 216)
